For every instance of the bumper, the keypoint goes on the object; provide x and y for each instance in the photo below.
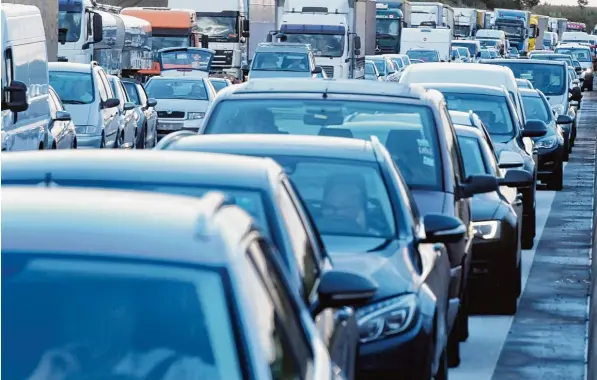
(549, 161)
(493, 263)
(406, 356)
(166, 126)
(85, 141)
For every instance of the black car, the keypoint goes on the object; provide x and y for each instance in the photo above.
(370, 225)
(257, 185)
(498, 113)
(497, 224)
(411, 122)
(166, 287)
(552, 148)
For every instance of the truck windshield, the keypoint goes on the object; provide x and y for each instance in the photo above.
(581, 55)
(218, 28)
(387, 26)
(462, 30)
(510, 30)
(162, 42)
(324, 45)
(69, 17)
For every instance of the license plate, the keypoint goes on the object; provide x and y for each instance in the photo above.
(169, 127)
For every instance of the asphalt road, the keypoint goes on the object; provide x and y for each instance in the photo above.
(547, 338)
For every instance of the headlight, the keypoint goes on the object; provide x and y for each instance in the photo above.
(86, 129)
(546, 143)
(195, 115)
(559, 109)
(386, 318)
(487, 230)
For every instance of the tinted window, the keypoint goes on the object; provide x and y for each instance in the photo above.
(219, 84)
(370, 69)
(492, 110)
(281, 62)
(550, 79)
(581, 55)
(381, 66)
(398, 62)
(105, 82)
(463, 51)
(423, 55)
(407, 130)
(471, 47)
(471, 155)
(131, 90)
(176, 89)
(100, 320)
(73, 87)
(536, 109)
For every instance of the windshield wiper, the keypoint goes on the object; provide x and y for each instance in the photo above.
(73, 102)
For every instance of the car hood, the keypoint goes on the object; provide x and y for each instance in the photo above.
(81, 113)
(429, 201)
(386, 267)
(279, 74)
(185, 105)
(484, 206)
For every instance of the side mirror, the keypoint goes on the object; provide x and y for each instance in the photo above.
(151, 102)
(14, 97)
(564, 119)
(98, 27)
(339, 289)
(479, 184)
(516, 178)
(317, 70)
(62, 33)
(63, 116)
(128, 106)
(510, 160)
(269, 37)
(246, 26)
(112, 102)
(441, 228)
(357, 43)
(534, 128)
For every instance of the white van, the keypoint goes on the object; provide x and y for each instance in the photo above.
(491, 34)
(575, 37)
(25, 91)
(438, 39)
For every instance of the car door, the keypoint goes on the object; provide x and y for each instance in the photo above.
(151, 114)
(334, 325)
(129, 116)
(110, 116)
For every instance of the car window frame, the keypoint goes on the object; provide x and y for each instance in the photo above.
(453, 146)
(101, 88)
(106, 83)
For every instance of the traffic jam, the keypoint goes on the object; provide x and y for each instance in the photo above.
(344, 190)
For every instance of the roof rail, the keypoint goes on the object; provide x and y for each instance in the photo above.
(212, 202)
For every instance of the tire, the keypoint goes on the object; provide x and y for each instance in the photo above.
(528, 230)
(556, 180)
(518, 279)
(442, 371)
(54, 145)
(508, 300)
(566, 154)
(119, 140)
(141, 142)
(453, 356)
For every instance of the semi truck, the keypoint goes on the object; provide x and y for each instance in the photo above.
(390, 18)
(170, 28)
(516, 25)
(341, 32)
(226, 23)
(465, 22)
(49, 16)
(432, 15)
(90, 31)
(539, 25)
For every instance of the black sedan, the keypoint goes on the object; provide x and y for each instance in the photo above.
(370, 225)
(167, 287)
(552, 148)
(257, 185)
(497, 225)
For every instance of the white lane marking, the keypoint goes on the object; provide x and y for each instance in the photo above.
(487, 334)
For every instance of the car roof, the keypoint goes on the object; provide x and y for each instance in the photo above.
(146, 166)
(468, 131)
(465, 88)
(556, 55)
(288, 47)
(459, 67)
(497, 62)
(330, 86)
(147, 226)
(530, 92)
(459, 117)
(292, 145)
(572, 45)
(69, 66)
(376, 57)
(420, 49)
(191, 78)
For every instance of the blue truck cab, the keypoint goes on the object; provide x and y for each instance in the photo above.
(515, 24)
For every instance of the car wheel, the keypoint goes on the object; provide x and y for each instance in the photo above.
(142, 138)
(518, 279)
(54, 145)
(528, 229)
(556, 180)
(119, 140)
(508, 300)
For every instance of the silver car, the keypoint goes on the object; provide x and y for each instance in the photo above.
(61, 130)
(388, 70)
(127, 137)
(145, 113)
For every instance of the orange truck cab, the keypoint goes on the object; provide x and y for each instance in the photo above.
(171, 28)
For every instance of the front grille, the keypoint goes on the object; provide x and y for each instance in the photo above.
(222, 59)
(171, 114)
(329, 71)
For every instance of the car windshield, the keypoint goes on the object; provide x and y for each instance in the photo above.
(551, 57)
(407, 130)
(492, 110)
(219, 84)
(423, 55)
(485, 54)
(581, 55)
(345, 197)
(398, 62)
(73, 87)
(107, 319)
(168, 88)
(381, 65)
(523, 83)
(69, 18)
(513, 50)
(548, 78)
(472, 48)
(323, 45)
(536, 109)
(493, 53)
(471, 156)
(266, 61)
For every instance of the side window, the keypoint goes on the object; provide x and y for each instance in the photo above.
(106, 84)
(101, 88)
(453, 146)
(142, 95)
(278, 315)
(131, 91)
(124, 93)
(53, 103)
(301, 244)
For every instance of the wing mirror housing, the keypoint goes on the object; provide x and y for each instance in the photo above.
(340, 288)
(63, 116)
(441, 228)
(564, 119)
(14, 97)
(478, 184)
(516, 178)
(534, 128)
(112, 102)
(98, 28)
(509, 160)
(151, 102)
(128, 106)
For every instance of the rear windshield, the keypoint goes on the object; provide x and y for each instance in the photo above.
(550, 79)
(73, 87)
(424, 55)
(266, 61)
(581, 55)
(471, 47)
(176, 89)
(536, 109)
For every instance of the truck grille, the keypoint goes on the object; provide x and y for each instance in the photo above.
(171, 114)
(329, 71)
(386, 50)
(222, 59)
